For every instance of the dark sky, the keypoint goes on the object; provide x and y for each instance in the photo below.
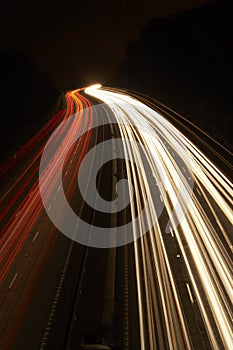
(80, 42)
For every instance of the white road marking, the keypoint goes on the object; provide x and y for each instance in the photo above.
(13, 280)
(198, 192)
(36, 235)
(184, 169)
(171, 231)
(189, 293)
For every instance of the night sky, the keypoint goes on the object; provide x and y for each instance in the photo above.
(177, 51)
(79, 42)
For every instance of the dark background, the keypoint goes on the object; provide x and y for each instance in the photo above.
(179, 52)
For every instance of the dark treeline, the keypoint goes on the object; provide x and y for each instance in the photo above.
(186, 62)
(27, 99)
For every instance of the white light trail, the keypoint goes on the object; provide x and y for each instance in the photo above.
(174, 160)
(92, 88)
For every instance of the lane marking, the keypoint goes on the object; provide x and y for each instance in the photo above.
(13, 280)
(198, 191)
(35, 237)
(184, 169)
(56, 298)
(171, 231)
(189, 293)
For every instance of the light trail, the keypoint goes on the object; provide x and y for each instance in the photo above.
(22, 201)
(196, 223)
(174, 160)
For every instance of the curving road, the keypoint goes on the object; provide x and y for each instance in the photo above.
(166, 280)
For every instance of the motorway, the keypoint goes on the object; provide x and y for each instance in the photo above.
(162, 279)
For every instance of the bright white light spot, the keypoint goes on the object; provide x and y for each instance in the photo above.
(93, 87)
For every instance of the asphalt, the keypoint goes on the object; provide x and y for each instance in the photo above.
(60, 294)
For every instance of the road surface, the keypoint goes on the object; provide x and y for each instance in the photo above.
(166, 283)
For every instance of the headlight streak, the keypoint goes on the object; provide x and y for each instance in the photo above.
(211, 258)
(201, 231)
